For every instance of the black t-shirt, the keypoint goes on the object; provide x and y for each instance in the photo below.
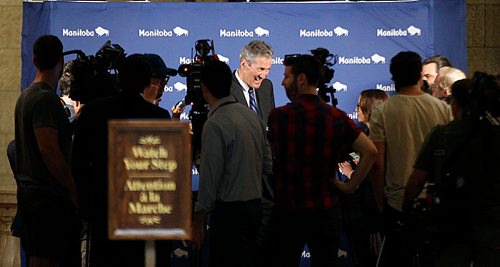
(39, 106)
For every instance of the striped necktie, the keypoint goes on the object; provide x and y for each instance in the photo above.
(253, 104)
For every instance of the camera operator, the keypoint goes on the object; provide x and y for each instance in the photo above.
(90, 163)
(460, 162)
(161, 75)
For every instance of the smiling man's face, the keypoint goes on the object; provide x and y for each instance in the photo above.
(254, 72)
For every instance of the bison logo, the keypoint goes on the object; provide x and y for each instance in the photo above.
(339, 31)
(223, 58)
(338, 86)
(101, 31)
(261, 31)
(378, 59)
(414, 31)
(180, 86)
(341, 253)
(180, 31)
(180, 253)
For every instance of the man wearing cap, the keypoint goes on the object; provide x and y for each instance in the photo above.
(161, 75)
(47, 195)
(90, 162)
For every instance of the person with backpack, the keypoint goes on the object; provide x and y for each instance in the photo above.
(458, 167)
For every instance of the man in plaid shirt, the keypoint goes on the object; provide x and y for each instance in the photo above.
(307, 137)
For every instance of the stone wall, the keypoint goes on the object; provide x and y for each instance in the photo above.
(10, 78)
(10, 82)
(483, 36)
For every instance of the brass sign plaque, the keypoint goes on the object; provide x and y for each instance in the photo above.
(149, 179)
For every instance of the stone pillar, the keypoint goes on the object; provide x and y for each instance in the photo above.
(483, 36)
(9, 245)
(10, 82)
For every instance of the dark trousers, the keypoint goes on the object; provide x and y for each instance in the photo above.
(265, 237)
(319, 229)
(52, 226)
(233, 231)
(400, 247)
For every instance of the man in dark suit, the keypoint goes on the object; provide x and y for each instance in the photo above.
(90, 163)
(251, 76)
(251, 88)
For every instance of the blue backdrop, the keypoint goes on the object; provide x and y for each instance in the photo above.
(363, 35)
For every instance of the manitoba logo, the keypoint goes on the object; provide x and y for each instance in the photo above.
(185, 116)
(261, 32)
(375, 59)
(185, 60)
(178, 31)
(378, 59)
(353, 115)
(180, 253)
(168, 89)
(387, 88)
(339, 31)
(223, 58)
(180, 87)
(100, 31)
(155, 33)
(338, 86)
(410, 31)
(414, 31)
(277, 61)
(237, 33)
(315, 33)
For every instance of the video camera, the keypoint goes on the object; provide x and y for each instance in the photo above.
(95, 76)
(325, 58)
(194, 96)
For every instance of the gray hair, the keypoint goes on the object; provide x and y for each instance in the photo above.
(450, 75)
(254, 49)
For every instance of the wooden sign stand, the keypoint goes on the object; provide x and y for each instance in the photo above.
(149, 179)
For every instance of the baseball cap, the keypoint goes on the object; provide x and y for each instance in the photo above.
(158, 66)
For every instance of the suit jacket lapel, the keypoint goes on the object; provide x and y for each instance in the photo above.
(237, 91)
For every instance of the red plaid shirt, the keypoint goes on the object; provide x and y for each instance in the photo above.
(307, 136)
